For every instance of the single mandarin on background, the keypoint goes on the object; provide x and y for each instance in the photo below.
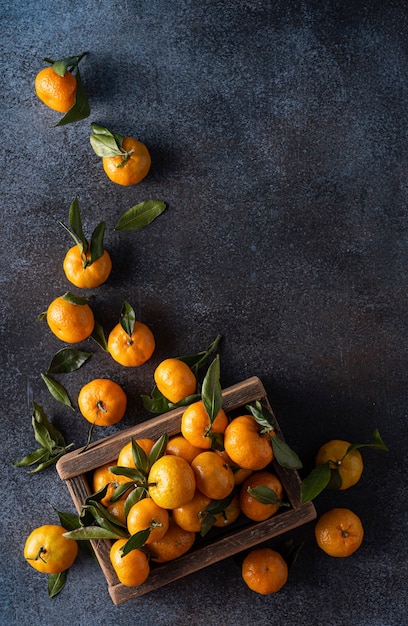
(339, 532)
(348, 464)
(70, 322)
(102, 402)
(175, 380)
(134, 350)
(131, 170)
(264, 571)
(48, 551)
(55, 91)
(84, 274)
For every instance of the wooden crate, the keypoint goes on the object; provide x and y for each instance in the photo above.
(74, 467)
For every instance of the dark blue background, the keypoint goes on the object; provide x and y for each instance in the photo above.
(278, 133)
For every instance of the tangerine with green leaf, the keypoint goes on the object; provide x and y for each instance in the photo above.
(133, 568)
(126, 160)
(197, 427)
(131, 343)
(48, 551)
(70, 318)
(260, 495)
(247, 444)
(347, 464)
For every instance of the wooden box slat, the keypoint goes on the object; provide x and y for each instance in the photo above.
(74, 467)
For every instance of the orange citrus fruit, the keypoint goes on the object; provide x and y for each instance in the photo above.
(339, 532)
(55, 91)
(131, 350)
(102, 402)
(250, 506)
(175, 380)
(348, 464)
(179, 446)
(230, 513)
(190, 515)
(48, 551)
(146, 514)
(240, 474)
(70, 322)
(265, 571)
(125, 458)
(82, 273)
(132, 569)
(246, 445)
(131, 170)
(214, 477)
(117, 509)
(171, 482)
(102, 476)
(196, 427)
(175, 543)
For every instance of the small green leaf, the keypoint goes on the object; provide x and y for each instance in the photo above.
(315, 482)
(92, 532)
(141, 215)
(284, 455)
(264, 495)
(57, 390)
(207, 522)
(196, 361)
(56, 583)
(376, 443)
(81, 109)
(98, 335)
(74, 299)
(33, 457)
(62, 65)
(263, 417)
(127, 318)
(68, 360)
(105, 143)
(97, 247)
(135, 495)
(211, 390)
(139, 457)
(75, 221)
(136, 541)
(158, 449)
(129, 472)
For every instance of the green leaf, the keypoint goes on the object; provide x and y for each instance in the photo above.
(263, 417)
(207, 522)
(62, 65)
(315, 482)
(92, 532)
(81, 109)
(105, 143)
(57, 390)
(39, 417)
(141, 215)
(121, 489)
(129, 472)
(139, 457)
(74, 299)
(376, 443)
(68, 360)
(98, 335)
(264, 495)
(127, 318)
(75, 221)
(196, 361)
(56, 583)
(97, 247)
(135, 495)
(157, 403)
(211, 390)
(32, 457)
(284, 455)
(158, 449)
(136, 541)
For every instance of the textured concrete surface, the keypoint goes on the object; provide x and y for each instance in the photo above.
(278, 133)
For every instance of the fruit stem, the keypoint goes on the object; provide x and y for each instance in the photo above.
(101, 407)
